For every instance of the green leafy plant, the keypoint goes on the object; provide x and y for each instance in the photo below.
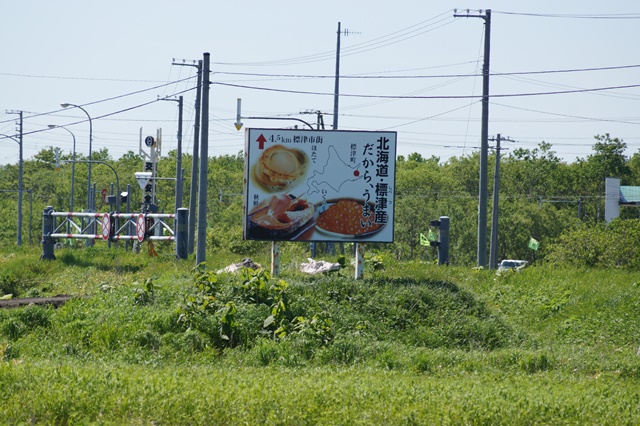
(145, 293)
(228, 323)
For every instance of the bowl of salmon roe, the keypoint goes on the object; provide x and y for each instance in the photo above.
(348, 218)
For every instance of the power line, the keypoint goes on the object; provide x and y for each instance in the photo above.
(382, 77)
(110, 113)
(137, 92)
(568, 115)
(382, 41)
(574, 16)
(8, 74)
(506, 95)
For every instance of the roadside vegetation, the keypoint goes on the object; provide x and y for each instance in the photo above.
(157, 340)
(154, 340)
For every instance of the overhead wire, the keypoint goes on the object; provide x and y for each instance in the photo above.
(504, 95)
(572, 15)
(417, 76)
(100, 101)
(568, 115)
(348, 50)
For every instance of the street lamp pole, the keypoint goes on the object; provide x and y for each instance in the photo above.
(73, 165)
(20, 163)
(66, 105)
(88, 243)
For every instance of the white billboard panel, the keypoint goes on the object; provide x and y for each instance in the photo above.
(319, 185)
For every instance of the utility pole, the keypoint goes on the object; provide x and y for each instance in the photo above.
(178, 188)
(20, 171)
(179, 158)
(493, 253)
(336, 90)
(204, 157)
(194, 163)
(484, 136)
(336, 95)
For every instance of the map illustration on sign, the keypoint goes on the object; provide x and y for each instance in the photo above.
(333, 174)
(306, 185)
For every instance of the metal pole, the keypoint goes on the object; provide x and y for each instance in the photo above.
(30, 215)
(194, 165)
(443, 247)
(89, 204)
(179, 158)
(182, 216)
(66, 105)
(280, 118)
(204, 158)
(73, 164)
(130, 228)
(48, 225)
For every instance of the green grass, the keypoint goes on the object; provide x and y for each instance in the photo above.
(151, 341)
(216, 394)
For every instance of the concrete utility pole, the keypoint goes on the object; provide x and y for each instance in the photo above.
(204, 171)
(179, 158)
(20, 188)
(178, 188)
(20, 172)
(193, 196)
(336, 96)
(484, 138)
(493, 252)
(336, 90)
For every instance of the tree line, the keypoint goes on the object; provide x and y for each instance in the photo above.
(541, 196)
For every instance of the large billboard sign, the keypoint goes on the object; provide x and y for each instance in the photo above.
(318, 185)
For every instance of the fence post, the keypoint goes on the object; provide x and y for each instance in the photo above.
(48, 226)
(182, 235)
(359, 257)
(275, 259)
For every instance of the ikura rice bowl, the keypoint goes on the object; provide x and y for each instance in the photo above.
(347, 217)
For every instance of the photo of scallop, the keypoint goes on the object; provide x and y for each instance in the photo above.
(280, 168)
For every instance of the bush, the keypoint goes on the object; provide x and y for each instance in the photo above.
(604, 246)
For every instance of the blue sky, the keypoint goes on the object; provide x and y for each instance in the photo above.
(422, 67)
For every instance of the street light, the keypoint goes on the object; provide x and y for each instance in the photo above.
(19, 187)
(66, 105)
(88, 243)
(73, 165)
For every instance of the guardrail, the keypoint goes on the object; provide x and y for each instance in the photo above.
(145, 225)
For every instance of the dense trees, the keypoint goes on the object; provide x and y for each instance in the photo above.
(541, 196)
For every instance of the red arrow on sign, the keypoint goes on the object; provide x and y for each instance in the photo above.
(261, 140)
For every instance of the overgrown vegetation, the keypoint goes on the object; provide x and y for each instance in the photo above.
(154, 340)
(161, 341)
(540, 197)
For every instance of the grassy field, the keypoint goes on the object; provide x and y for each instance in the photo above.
(153, 341)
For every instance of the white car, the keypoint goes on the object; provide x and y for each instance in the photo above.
(516, 265)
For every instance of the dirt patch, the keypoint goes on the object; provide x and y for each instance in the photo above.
(55, 301)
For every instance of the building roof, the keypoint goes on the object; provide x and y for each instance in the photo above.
(629, 194)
